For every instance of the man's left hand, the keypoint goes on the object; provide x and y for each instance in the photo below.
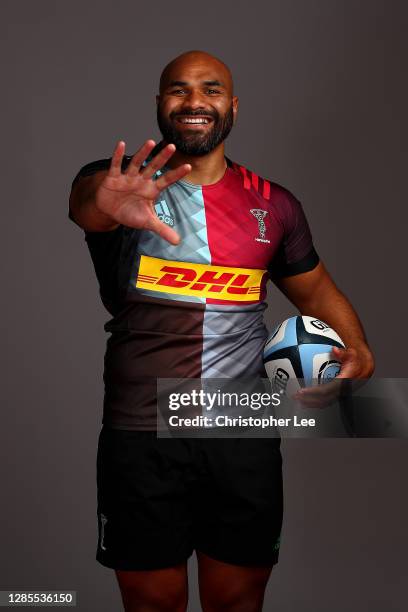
(357, 363)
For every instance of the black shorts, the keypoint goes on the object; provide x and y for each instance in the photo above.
(160, 499)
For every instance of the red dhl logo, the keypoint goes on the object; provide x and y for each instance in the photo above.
(184, 277)
(199, 279)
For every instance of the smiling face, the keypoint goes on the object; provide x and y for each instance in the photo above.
(196, 109)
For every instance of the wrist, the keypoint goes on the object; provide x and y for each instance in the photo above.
(365, 357)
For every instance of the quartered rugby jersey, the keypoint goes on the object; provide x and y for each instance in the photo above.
(196, 309)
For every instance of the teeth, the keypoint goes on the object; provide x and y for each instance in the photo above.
(191, 120)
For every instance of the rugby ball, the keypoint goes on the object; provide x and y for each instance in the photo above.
(299, 350)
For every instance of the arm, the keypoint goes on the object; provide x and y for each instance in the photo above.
(315, 294)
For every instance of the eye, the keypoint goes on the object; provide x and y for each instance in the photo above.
(178, 91)
(213, 91)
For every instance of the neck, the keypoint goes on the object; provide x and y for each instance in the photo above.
(205, 170)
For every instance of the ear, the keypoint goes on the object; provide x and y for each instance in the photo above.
(157, 99)
(235, 107)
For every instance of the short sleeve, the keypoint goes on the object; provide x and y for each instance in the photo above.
(105, 250)
(105, 247)
(296, 253)
(98, 166)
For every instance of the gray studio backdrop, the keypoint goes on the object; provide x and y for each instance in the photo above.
(323, 94)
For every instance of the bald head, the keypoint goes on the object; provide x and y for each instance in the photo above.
(196, 108)
(202, 61)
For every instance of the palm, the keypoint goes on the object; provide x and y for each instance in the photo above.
(129, 200)
(128, 197)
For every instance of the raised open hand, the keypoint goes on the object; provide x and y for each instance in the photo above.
(128, 197)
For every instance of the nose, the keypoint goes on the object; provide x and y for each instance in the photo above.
(194, 100)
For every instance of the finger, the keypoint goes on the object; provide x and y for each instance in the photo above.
(326, 390)
(116, 162)
(339, 353)
(138, 158)
(171, 176)
(309, 400)
(158, 161)
(351, 370)
(350, 364)
(163, 230)
(343, 354)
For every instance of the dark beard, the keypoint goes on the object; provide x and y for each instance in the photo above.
(196, 144)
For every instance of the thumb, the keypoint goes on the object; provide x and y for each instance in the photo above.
(348, 362)
(339, 353)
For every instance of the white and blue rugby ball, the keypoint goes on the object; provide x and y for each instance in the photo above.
(299, 349)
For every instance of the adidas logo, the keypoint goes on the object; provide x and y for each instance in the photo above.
(163, 212)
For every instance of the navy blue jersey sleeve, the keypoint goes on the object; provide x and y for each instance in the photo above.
(105, 247)
(98, 166)
(296, 253)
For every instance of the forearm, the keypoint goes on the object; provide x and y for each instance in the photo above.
(82, 205)
(330, 305)
(315, 294)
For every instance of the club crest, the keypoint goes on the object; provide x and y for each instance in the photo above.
(260, 215)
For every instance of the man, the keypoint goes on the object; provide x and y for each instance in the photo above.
(183, 241)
